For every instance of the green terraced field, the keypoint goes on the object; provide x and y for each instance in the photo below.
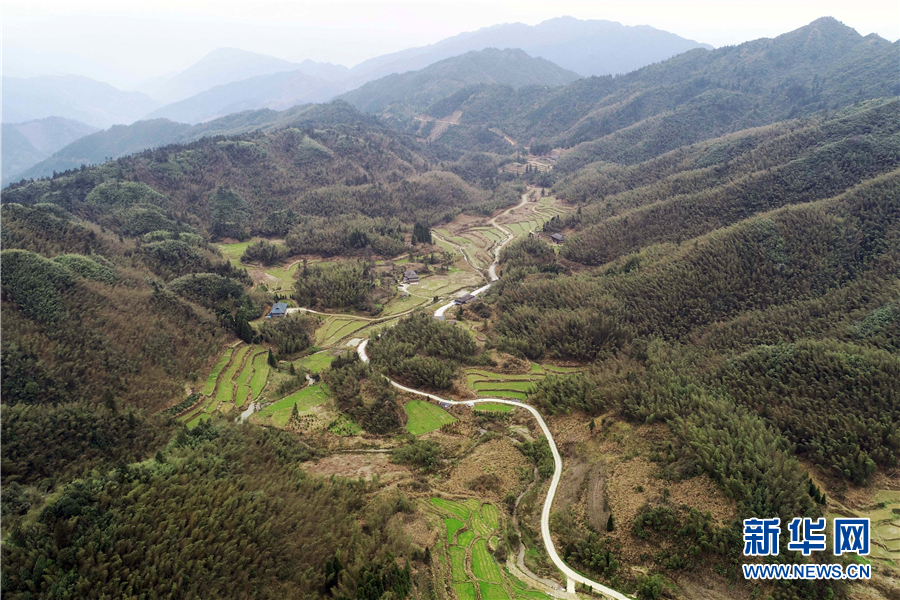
(502, 394)
(316, 363)
(483, 564)
(201, 417)
(451, 507)
(464, 591)
(490, 516)
(425, 416)
(210, 385)
(260, 374)
(242, 383)
(305, 399)
(458, 563)
(464, 538)
(225, 391)
(515, 386)
(490, 591)
(453, 525)
(531, 595)
(490, 407)
(477, 523)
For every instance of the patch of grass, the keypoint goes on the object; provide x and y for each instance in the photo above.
(316, 363)
(260, 374)
(342, 425)
(502, 394)
(201, 417)
(464, 591)
(464, 538)
(490, 515)
(449, 506)
(305, 399)
(531, 595)
(425, 416)
(458, 563)
(225, 392)
(483, 564)
(480, 527)
(210, 385)
(491, 407)
(513, 386)
(489, 591)
(453, 525)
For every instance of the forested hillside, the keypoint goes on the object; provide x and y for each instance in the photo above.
(694, 96)
(419, 89)
(716, 337)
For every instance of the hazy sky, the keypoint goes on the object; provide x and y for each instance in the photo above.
(130, 40)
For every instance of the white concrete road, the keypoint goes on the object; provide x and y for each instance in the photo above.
(572, 576)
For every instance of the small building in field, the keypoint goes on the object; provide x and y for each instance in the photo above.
(410, 277)
(464, 299)
(558, 238)
(279, 310)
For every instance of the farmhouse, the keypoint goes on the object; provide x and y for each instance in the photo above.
(410, 277)
(558, 238)
(279, 310)
(464, 299)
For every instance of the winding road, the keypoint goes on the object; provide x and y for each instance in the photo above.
(571, 576)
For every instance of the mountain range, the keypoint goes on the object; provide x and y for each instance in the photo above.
(696, 95)
(25, 144)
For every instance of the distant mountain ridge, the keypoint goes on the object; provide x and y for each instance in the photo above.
(25, 144)
(71, 97)
(511, 67)
(277, 92)
(228, 65)
(587, 47)
(694, 96)
(122, 140)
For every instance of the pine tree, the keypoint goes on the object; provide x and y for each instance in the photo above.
(271, 359)
(609, 523)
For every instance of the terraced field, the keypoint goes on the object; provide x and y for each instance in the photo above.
(225, 387)
(425, 416)
(487, 384)
(489, 407)
(334, 328)
(213, 377)
(238, 377)
(279, 412)
(475, 573)
(316, 363)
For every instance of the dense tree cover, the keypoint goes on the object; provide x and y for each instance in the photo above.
(346, 235)
(366, 396)
(423, 351)
(840, 404)
(290, 334)
(95, 267)
(265, 253)
(46, 444)
(188, 525)
(826, 169)
(421, 454)
(226, 296)
(91, 345)
(694, 534)
(265, 183)
(339, 285)
(175, 257)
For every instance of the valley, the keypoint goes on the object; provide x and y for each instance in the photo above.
(491, 325)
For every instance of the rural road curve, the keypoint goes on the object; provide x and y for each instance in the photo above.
(571, 575)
